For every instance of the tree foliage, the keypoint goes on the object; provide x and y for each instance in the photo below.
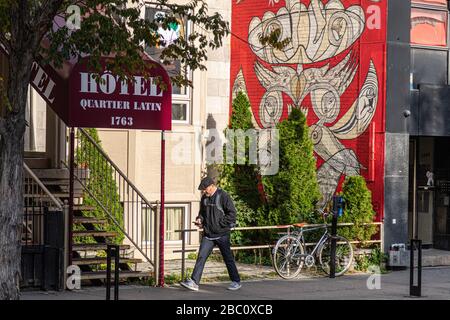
(117, 27)
(357, 209)
(241, 180)
(291, 194)
(37, 30)
(293, 191)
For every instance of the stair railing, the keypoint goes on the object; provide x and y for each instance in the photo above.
(36, 198)
(109, 189)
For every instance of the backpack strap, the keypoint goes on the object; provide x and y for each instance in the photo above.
(219, 206)
(218, 202)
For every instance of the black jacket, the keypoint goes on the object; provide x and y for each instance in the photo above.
(216, 222)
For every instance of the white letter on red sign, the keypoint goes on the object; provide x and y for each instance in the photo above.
(123, 86)
(49, 90)
(39, 80)
(139, 86)
(154, 89)
(88, 83)
(108, 85)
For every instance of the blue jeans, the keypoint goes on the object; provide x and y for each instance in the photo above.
(205, 250)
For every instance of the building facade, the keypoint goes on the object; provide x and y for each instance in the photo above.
(372, 77)
(417, 161)
(196, 110)
(136, 153)
(333, 68)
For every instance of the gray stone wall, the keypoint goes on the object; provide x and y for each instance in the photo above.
(396, 189)
(398, 99)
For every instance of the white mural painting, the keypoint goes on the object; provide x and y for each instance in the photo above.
(317, 33)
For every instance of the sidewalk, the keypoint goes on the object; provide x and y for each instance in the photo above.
(434, 257)
(216, 270)
(394, 286)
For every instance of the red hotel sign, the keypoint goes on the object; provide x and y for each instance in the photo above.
(110, 103)
(80, 101)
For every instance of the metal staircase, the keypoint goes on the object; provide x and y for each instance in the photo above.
(112, 200)
(107, 208)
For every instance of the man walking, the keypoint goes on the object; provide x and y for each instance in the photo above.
(217, 216)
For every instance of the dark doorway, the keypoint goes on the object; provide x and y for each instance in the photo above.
(442, 199)
(429, 191)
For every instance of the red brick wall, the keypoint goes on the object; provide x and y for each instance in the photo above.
(324, 70)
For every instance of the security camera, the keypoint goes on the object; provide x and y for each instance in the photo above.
(406, 113)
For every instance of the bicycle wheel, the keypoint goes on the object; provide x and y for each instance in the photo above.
(344, 256)
(287, 257)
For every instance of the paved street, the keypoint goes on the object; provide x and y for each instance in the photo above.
(394, 286)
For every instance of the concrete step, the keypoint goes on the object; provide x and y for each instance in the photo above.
(63, 184)
(59, 174)
(434, 258)
(52, 173)
(33, 154)
(430, 258)
(38, 163)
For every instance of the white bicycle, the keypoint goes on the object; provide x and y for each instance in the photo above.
(290, 254)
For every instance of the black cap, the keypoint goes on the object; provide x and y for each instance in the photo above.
(206, 182)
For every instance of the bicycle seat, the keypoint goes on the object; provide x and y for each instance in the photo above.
(300, 225)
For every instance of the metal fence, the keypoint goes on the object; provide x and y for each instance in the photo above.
(37, 199)
(43, 242)
(288, 229)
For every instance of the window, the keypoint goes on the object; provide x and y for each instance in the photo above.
(429, 27)
(175, 218)
(180, 95)
(180, 112)
(35, 132)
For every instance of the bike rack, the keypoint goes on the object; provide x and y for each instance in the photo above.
(333, 247)
(415, 290)
(338, 203)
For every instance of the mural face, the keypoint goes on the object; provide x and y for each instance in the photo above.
(332, 68)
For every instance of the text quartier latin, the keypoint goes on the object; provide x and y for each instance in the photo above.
(110, 84)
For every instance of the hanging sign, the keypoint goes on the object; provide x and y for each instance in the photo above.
(81, 100)
(107, 102)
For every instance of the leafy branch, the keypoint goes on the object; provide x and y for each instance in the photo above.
(111, 27)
